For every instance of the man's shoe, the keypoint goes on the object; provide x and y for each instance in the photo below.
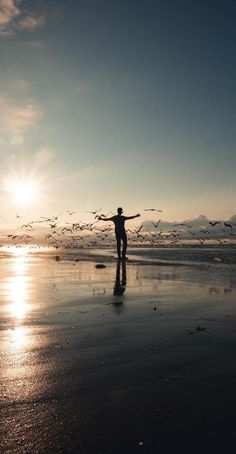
(125, 258)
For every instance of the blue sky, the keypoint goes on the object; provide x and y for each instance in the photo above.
(130, 103)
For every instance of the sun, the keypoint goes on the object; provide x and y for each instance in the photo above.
(23, 192)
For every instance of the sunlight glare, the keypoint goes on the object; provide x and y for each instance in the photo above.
(19, 337)
(17, 292)
(23, 192)
(17, 287)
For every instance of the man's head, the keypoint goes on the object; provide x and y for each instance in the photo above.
(119, 210)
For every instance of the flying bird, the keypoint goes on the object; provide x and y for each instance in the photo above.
(152, 209)
(65, 229)
(27, 226)
(139, 228)
(94, 212)
(227, 224)
(156, 224)
(183, 225)
(213, 223)
(204, 231)
(71, 212)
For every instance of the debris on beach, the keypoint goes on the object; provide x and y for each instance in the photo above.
(197, 328)
(217, 259)
(57, 258)
(200, 328)
(100, 265)
(115, 303)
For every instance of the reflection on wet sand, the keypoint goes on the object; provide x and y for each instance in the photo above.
(68, 360)
(17, 286)
(15, 296)
(120, 282)
(18, 338)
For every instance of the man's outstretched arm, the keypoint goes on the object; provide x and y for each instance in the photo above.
(132, 217)
(100, 218)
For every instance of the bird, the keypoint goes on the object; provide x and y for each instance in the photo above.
(53, 226)
(71, 212)
(204, 231)
(139, 228)
(227, 224)
(102, 215)
(94, 212)
(152, 209)
(65, 229)
(182, 224)
(213, 223)
(27, 226)
(52, 219)
(156, 224)
(49, 236)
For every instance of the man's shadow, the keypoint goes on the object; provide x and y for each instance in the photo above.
(120, 282)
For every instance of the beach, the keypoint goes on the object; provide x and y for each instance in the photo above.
(126, 357)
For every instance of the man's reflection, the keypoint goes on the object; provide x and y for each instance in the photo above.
(120, 283)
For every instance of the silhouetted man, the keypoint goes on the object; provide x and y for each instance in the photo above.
(120, 232)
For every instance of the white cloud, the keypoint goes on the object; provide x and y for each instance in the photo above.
(44, 156)
(195, 228)
(8, 12)
(15, 120)
(14, 18)
(30, 22)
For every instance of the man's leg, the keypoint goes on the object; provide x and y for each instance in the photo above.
(118, 242)
(124, 239)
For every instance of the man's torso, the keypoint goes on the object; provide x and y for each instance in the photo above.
(119, 222)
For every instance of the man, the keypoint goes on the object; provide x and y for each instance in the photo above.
(120, 232)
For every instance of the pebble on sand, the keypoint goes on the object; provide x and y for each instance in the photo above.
(200, 328)
(100, 265)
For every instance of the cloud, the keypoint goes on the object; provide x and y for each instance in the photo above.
(15, 120)
(33, 44)
(13, 18)
(16, 85)
(199, 227)
(44, 156)
(8, 12)
(30, 22)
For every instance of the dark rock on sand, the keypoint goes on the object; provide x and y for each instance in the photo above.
(200, 328)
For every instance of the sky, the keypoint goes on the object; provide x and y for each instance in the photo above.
(107, 103)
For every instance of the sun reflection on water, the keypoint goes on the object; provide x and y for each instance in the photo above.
(19, 338)
(17, 288)
(17, 293)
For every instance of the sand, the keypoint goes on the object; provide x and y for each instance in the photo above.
(150, 369)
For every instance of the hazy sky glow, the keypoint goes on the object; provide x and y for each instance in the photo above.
(108, 103)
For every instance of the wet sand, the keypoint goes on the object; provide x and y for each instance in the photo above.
(150, 369)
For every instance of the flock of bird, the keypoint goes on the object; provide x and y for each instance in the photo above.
(72, 234)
